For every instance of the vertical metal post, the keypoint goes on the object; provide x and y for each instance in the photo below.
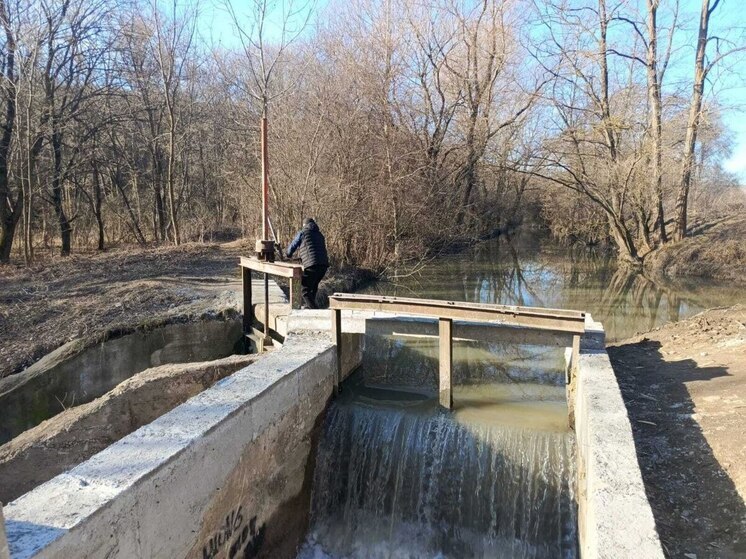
(265, 180)
(445, 331)
(337, 339)
(266, 306)
(575, 363)
(247, 308)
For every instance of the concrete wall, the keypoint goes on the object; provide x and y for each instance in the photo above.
(614, 516)
(4, 551)
(226, 474)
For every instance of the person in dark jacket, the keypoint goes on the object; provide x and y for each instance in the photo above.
(314, 258)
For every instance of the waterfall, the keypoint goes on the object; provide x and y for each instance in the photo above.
(399, 478)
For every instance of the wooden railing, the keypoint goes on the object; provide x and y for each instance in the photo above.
(556, 321)
(291, 271)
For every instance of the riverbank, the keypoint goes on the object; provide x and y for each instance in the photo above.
(715, 250)
(101, 296)
(684, 385)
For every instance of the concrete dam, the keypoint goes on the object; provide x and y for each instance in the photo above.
(336, 444)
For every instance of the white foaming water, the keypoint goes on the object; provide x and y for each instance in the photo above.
(397, 478)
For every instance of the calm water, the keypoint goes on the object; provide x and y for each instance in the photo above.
(520, 272)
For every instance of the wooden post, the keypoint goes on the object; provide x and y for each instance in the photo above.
(575, 363)
(337, 339)
(247, 308)
(445, 329)
(294, 293)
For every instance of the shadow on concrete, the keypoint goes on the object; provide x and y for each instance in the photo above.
(697, 510)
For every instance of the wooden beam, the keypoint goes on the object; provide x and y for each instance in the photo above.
(555, 320)
(337, 339)
(282, 269)
(445, 330)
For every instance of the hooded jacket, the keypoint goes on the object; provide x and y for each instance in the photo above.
(312, 246)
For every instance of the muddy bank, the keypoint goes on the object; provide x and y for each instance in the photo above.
(715, 251)
(78, 433)
(684, 387)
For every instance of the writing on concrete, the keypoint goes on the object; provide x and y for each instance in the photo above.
(244, 542)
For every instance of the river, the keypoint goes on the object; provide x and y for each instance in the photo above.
(529, 272)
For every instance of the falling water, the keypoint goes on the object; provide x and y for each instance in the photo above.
(397, 477)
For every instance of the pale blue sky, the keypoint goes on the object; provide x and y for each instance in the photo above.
(216, 27)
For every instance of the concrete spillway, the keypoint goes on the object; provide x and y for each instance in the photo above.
(255, 467)
(404, 479)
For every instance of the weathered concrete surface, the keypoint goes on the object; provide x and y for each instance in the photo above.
(73, 436)
(614, 516)
(227, 471)
(4, 551)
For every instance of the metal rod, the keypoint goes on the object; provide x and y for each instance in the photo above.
(265, 181)
(337, 339)
(266, 305)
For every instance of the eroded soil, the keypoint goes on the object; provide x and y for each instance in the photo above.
(684, 386)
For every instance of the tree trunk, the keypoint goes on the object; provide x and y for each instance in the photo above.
(654, 94)
(10, 210)
(692, 127)
(624, 242)
(57, 194)
(97, 204)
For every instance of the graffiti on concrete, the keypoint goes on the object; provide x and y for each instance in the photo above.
(248, 542)
(244, 542)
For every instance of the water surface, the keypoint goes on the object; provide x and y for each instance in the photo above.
(527, 272)
(396, 476)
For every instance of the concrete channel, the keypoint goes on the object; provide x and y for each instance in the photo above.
(228, 473)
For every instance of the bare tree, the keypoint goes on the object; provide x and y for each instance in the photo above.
(703, 65)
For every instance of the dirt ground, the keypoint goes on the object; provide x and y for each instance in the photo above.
(713, 250)
(43, 307)
(684, 386)
(96, 296)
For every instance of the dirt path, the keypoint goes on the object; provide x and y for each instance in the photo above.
(685, 390)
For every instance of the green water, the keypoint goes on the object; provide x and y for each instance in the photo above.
(527, 272)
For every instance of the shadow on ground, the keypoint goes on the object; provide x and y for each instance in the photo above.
(697, 510)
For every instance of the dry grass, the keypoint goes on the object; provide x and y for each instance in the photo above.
(47, 305)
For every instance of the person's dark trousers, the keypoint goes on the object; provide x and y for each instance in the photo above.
(310, 284)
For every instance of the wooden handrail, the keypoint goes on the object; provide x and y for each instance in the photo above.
(282, 269)
(534, 318)
(288, 270)
(556, 320)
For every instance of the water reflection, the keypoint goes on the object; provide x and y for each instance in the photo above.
(525, 272)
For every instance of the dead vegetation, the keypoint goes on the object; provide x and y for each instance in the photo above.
(715, 250)
(109, 294)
